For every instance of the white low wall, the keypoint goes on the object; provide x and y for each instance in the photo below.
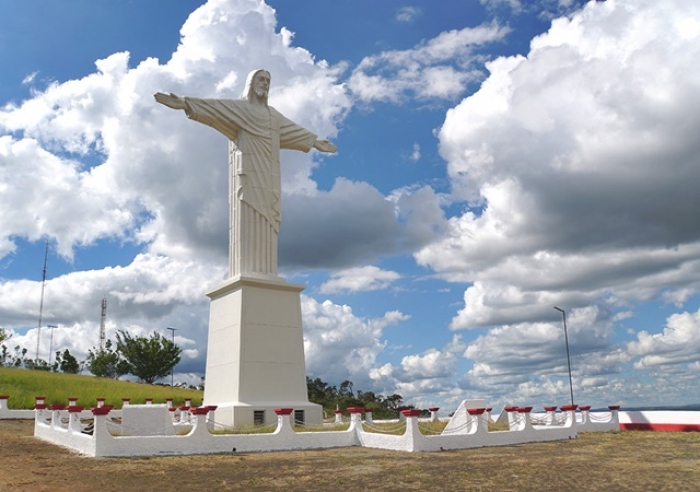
(660, 420)
(51, 426)
(473, 434)
(102, 435)
(6, 413)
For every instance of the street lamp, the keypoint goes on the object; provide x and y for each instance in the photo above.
(568, 357)
(172, 371)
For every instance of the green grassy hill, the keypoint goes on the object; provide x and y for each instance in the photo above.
(22, 385)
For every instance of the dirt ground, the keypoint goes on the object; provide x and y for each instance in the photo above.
(634, 461)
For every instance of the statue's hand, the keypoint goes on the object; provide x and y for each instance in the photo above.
(170, 100)
(325, 146)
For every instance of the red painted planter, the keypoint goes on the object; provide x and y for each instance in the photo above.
(411, 412)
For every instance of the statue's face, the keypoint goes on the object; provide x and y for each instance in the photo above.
(261, 84)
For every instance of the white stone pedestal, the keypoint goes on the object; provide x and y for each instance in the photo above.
(255, 355)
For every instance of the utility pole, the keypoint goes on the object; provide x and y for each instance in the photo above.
(568, 357)
(102, 323)
(41, 304)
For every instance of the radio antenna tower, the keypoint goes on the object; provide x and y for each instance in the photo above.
(102, 323)
(41, 303)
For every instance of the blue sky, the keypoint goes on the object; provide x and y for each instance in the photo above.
(496, 159)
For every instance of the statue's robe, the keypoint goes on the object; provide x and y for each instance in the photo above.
(256, 134)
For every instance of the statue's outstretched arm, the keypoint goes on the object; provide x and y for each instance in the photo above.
(325, 146)
(170, 100)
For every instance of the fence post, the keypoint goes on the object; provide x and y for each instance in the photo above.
(3, 402)
(74, 418)
(551, 415)
(284, 422)
(585, 409)
(570, 413)
(525, 415)
(510, 411)
(356, 416)
(615, 414)
(412, 430)
(477, 422)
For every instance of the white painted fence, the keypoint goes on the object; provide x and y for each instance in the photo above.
(100, 433)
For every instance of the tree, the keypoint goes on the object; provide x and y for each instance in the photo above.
(37, 365)
(106, 363)
(68, 364)
(5, 358)
(148, 358)
(394, 401)
(9, 360)
(331, 398)
(345, 390)
(4, 335)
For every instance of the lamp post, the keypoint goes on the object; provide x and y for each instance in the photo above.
(172, 371)
(51, 342)
(568, 357)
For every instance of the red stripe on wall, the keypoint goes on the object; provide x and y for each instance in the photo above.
(662, 427)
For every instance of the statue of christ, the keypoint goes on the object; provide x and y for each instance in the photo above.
(256, 133)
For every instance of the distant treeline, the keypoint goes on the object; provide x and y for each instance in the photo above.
(343, 396)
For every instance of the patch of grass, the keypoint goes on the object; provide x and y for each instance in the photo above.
(391, 428)
(498, 426)
(325, 428)
(23, 385)
(247, 429)
(431, 428)
(270, 428)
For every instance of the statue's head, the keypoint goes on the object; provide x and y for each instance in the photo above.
(257, 84)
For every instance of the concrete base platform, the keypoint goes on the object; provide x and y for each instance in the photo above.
(255, 357)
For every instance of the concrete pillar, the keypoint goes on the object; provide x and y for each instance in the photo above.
(412, 431)
(570, 411)
(551, 415)
(524, 420)
(56, 414)
(614, 413)
(355, 416)
(368, 416)
(338, 416)
(511, 411)
(585, 409)
(284, 422)
(74, 417)
(434, 413)
(477, 420)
